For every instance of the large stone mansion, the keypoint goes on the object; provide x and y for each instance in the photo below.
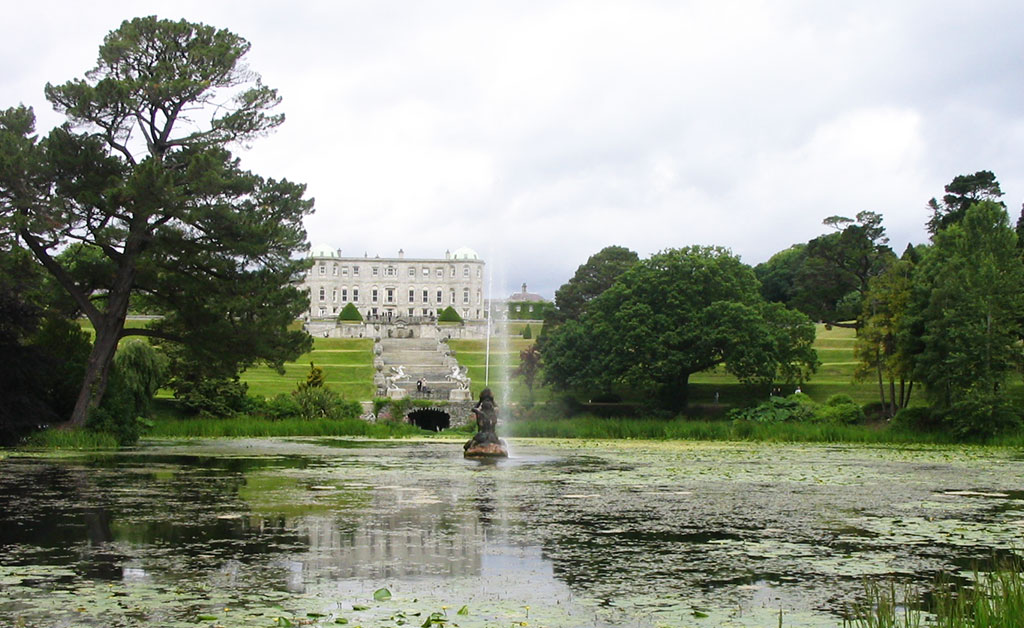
(388, 288)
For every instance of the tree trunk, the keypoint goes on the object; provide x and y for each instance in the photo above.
(881, 384)
(678, 393)
(892, 398)
(97, 372)
(109, 326)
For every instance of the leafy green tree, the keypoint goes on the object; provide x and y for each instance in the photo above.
(143, 371)
(529, 367)
(314, 379)
(838, 268)
(778, 276)
(527, 333)
(141, 180)
(591, 279)
(680, 312)
(24, 370)
(886, 345)
(962, 192)
(972, 320)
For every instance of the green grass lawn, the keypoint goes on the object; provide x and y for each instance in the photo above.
(347, 364)
(504, 359)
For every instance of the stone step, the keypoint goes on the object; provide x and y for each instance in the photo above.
(415, 344)
(412, 358)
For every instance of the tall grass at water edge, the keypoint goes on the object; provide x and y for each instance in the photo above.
(590, 427)
(996, 600)
(56, 439)
(244, 426)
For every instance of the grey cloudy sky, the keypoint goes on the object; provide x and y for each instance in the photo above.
(539, 132)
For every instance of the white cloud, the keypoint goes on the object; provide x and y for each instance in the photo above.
(540, 132)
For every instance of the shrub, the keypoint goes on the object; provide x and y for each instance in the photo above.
(982, 413)
(527, 332)
(843, 414)
(314, 379)
(449, 315)
(350, 314)
(796, 407)
(840, 400)
(142, 372)
(841, 409)
(324, 403)
(66, 348)
(116, 414)
(213, 397)
(917, 419)
(282, 406)
(391, 409)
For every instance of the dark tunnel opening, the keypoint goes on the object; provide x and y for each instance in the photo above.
(430, 419)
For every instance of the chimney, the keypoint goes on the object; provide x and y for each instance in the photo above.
(401, 254)
(447, 254)
(524, 287)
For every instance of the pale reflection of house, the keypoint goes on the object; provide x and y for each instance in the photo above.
(413, 535)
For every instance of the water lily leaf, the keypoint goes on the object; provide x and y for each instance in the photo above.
(360, 607)
(381, 595)
(464, 610)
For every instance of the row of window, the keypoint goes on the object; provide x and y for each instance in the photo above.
(389, 295)
(392, 271)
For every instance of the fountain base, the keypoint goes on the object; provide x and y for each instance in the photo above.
(486, 450)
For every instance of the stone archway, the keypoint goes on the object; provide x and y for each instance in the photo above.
(432, 419)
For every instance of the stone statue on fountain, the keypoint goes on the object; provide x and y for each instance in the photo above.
(485, 443)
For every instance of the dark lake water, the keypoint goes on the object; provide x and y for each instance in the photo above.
(565, 533)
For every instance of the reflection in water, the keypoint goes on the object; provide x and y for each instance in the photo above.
(641, 537)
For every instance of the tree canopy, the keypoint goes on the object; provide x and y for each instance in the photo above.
(679, 312)
(591, 279)
(961, 193)
(838, 268)
(972, 310)
(140, 191)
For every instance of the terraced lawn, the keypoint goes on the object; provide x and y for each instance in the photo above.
(347, 365)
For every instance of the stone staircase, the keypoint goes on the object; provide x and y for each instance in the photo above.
(424, 358)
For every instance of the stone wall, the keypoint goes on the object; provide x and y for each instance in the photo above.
(469, 330)
(459, 412)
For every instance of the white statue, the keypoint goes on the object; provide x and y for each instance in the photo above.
(398, 374)
(458, 375)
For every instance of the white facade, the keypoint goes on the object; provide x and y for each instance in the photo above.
(386, 288)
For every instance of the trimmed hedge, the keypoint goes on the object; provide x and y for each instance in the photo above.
(350, 314)
(449, 315)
